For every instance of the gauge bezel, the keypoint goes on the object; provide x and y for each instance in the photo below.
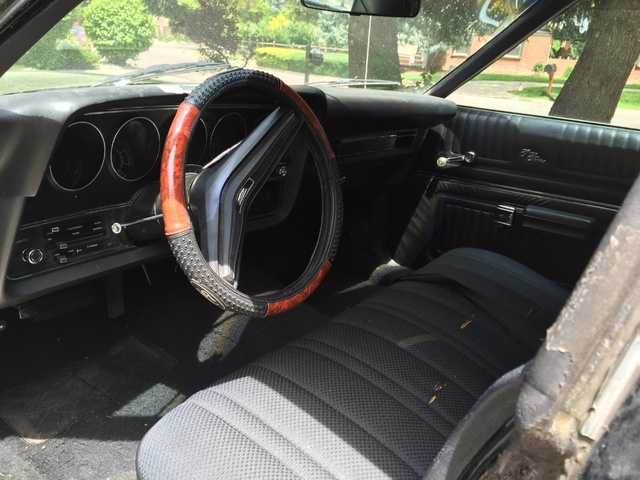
(151, 163)
(222, 121)
(205, 149)
(56, 182)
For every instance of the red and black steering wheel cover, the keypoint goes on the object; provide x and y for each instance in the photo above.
(179, 229)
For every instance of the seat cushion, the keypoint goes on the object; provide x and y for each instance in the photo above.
(374, 393)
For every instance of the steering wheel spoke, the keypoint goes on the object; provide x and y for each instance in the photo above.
(222, 194)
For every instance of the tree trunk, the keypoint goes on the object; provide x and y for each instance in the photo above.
(383, 62)
(611, 51)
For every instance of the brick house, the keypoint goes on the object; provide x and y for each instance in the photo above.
(521, 59)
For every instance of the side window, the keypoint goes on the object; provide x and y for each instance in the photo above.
(584, 65)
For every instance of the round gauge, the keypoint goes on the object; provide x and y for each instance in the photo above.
(135, 149)
(229, 130)
(79, 157)
(198, 144)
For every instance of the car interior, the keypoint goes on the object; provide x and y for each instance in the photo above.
(251, 280)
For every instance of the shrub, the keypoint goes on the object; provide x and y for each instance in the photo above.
(66, 56)
(56, 52)
(281, 30)
(334, 65)
(293, 59)
(119, 29)
(538, 68)
(275, 57)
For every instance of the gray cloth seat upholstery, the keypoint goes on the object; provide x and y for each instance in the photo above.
(375, 392)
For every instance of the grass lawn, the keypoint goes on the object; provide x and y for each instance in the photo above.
(507, 77)
(629, 100)
(504, 77)
(413, 76)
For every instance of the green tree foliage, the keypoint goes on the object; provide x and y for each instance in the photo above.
(572, 25)
(213, 25)
(450, 23)
(333, 30)
(224, 29)
(253, 20)
(55, 51)
(281, 29)
(217, 26)
(119, 29)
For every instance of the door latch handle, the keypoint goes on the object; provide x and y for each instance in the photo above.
(456, 160)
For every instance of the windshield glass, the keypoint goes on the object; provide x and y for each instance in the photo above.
(123, 42)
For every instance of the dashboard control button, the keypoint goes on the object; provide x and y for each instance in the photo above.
(62, 259)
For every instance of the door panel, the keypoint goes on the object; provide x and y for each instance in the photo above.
(542, 191)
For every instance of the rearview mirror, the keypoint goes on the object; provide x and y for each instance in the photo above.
(383, 8)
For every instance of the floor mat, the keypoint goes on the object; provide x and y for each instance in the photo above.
(40, 410)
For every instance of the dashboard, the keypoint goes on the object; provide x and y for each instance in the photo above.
(100, 190)
(79, 173)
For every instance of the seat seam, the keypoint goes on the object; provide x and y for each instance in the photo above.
(481, 362)
(409, 392)
(482, 325)
(380, 442)
(425, 420)
(455, 344)
(233, 427)
(462, 387)
(486, 328)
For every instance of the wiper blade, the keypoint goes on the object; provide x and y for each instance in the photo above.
(158, 70)
(355, 82)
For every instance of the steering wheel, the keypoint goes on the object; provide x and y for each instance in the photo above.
(220, 196)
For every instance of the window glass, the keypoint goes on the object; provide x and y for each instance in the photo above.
(583, 65)
(123, 42)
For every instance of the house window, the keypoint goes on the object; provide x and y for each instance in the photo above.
(463, 51)
(516, 52)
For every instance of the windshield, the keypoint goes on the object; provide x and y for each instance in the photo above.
(122, 42)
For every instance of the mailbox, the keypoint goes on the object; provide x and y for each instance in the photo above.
(315, 57)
